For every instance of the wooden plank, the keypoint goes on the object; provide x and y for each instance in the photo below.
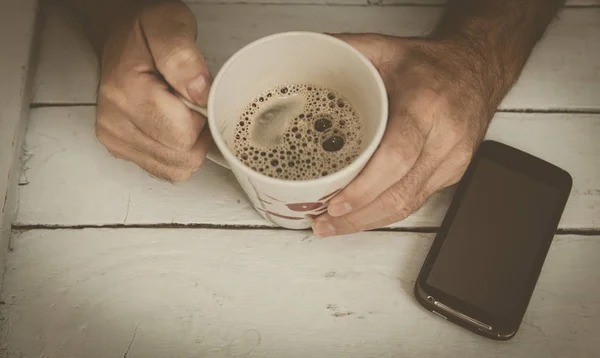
(218, 293)
(440, 2)
(284, 2)
(106, 190)
(359, 2)
(17, 31)
(562, 73)
(72, 180)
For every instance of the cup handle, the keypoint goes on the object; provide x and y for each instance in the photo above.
(213, 154)
(203, 111)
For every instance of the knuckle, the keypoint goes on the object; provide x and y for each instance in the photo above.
(185, 139)
(393, 202)
(111, 93)
(184, 133)
(177, 58)
(179, 175)
(403, 155)
(463, 157)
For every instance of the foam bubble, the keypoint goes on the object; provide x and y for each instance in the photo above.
(324, 138)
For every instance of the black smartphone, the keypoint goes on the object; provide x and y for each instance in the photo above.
(485, 261)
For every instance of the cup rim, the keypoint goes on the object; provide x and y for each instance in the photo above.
(363, 157)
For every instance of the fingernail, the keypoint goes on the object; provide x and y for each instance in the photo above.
(197, 88)
(323, 228)
(339, 209)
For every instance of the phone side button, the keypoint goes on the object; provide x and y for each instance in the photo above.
(439, 314)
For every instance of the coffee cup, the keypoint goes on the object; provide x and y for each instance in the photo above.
(302, 58)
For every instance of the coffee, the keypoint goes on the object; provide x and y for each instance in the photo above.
(298, 132)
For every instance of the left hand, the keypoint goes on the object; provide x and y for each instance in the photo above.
(145, 58)
(440, 108)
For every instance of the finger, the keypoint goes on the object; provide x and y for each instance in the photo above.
(431, 173)
(370, 45)
(170, 30)
(400, 147)
(395, 204)
(190, 160)
(123, 150)
(364, 42)
(451, 169)
(161, 115)
(131, 135)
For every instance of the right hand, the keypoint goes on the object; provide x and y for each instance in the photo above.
(139, 118)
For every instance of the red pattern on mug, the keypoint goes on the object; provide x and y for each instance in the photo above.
(330, 196)
(303, 207)
(283, 216)
(310, 209)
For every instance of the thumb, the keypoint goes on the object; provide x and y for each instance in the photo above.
(363, 42)
(384, 51)
(170, 30)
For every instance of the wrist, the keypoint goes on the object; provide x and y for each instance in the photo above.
(483, 68)
(454, 79)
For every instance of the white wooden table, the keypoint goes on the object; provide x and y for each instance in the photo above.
(109, 262)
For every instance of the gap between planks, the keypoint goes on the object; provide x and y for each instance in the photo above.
(416, 230)
(367, 4)
(508, 110)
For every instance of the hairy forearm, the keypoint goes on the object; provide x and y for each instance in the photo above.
(498, 34)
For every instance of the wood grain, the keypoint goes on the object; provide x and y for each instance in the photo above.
(360, 2)
(285, 2)
(439, 2)
(562, 74)
(17, 25)
(220, 293)
(72, 180)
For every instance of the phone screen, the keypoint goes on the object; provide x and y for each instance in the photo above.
(487, 257)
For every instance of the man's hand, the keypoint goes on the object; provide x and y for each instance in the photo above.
(443, 91)
(439, 113)
(151, 54)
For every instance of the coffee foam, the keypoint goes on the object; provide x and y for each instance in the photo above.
(306, 148)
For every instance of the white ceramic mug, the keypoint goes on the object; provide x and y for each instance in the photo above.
(294, 58)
